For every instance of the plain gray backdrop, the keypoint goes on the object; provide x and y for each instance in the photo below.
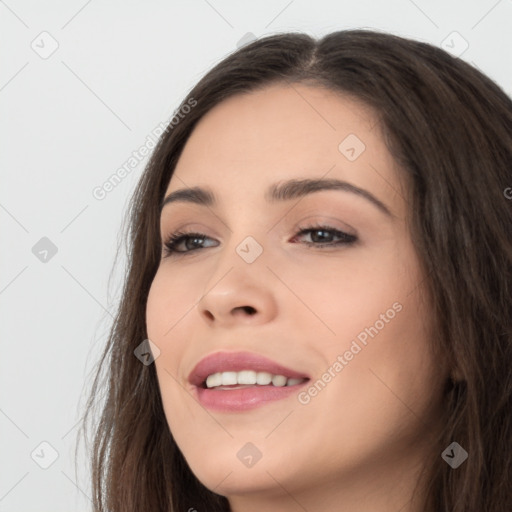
(83, 84)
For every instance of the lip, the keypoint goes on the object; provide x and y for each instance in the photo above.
(243, 398)
(236, 362)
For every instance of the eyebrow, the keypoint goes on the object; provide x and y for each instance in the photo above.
(283, 191)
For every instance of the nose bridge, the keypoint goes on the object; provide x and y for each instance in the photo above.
(239, 280)
(248, 239)
(242, 259)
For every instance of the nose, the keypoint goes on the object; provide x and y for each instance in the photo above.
(239, 296)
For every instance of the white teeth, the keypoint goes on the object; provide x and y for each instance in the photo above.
(246, 377)
(293, 382)
(263, 378)
(249, 377)
(214, 380)
(229, 378)
(279, 380)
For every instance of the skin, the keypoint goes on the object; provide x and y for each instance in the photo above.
(360, 442)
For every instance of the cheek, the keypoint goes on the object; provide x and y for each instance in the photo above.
(381, 332)
(169, 306)
(349, 298)
(387, 380)
(170, 299)
(170, 302)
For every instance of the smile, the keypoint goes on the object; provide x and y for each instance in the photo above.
(227, 380)
(238, 381)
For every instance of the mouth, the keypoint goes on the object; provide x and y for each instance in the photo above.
(248, 378)
(237, 381)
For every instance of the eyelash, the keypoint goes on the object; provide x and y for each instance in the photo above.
(175, 238)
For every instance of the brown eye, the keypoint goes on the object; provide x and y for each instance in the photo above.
(322, 236)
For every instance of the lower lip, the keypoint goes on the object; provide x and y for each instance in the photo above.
(235, 400)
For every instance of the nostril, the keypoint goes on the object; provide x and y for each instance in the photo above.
(247, 309)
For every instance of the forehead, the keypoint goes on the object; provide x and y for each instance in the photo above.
(251, 140)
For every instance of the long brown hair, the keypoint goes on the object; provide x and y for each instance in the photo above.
(449, 128)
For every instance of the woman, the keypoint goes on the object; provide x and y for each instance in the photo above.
(317, 310)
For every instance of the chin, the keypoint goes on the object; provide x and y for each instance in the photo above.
(238, 468)
(227, 478)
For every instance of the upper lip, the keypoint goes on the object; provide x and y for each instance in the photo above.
(238, 361)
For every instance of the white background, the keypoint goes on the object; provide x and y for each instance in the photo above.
(68, 122)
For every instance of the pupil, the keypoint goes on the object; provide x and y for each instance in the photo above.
(194, 241)
(325, 235)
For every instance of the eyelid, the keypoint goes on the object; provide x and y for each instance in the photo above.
(190, 227)
(312, 218)
(322, 219)
(176, 238)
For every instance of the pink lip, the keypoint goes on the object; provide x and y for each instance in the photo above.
(242, 398)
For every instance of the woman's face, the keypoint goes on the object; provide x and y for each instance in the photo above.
(345, 319)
